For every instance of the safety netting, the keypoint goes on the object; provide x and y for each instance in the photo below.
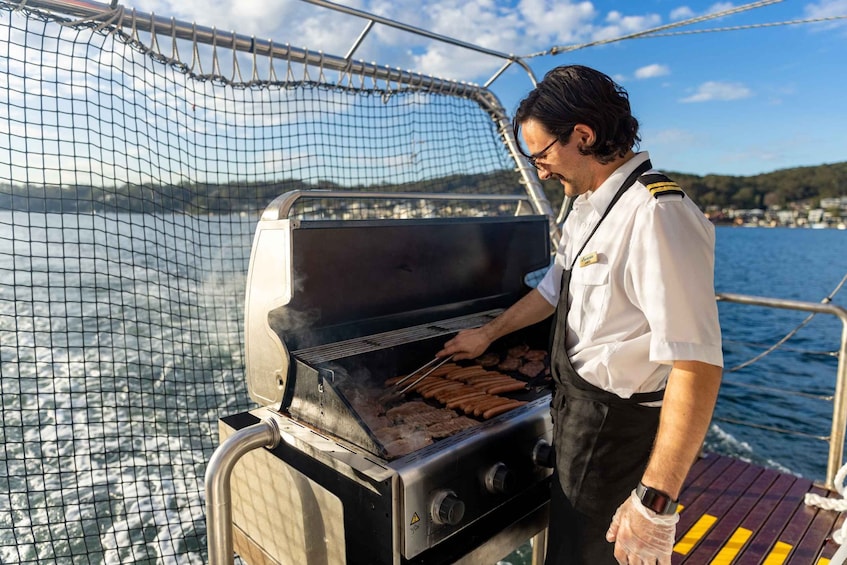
(131, 181)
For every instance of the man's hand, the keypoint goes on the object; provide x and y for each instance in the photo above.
(468, 344)
(641, 536)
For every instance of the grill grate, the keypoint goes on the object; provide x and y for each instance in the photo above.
(347, 348)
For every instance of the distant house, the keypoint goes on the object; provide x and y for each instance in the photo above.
(837, 202)
(816, 215)
(786, 217)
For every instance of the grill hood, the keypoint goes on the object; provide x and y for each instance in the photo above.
(313, 284)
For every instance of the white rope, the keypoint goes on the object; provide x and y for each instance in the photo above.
(839, 505)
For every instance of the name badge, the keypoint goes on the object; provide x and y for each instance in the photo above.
(589, 259)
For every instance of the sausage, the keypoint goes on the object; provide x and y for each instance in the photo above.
(459, 370)
(460, 400)
(440, 371)
(441, 390)
(444, 369)
(470, 403)
(487, 375)
(506, 387)
(460, 392)
(485, 385)
(429, 383)
(483, 408)
(434, 390)
(490, 379)
(480, 408)
(497, 410)
(466, 372)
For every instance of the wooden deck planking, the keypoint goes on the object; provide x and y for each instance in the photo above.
(831, 547)
(700, 494)
(730, 509)
(810, 546)
(767, 536)
(740, 513)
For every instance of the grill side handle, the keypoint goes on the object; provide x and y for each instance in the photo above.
(269, 286)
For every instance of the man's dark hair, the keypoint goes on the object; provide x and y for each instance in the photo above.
(574, 94)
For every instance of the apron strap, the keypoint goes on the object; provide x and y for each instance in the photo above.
(576, 386)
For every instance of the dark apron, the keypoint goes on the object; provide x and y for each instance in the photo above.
(602, 443)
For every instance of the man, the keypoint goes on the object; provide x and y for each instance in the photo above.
(636, 346)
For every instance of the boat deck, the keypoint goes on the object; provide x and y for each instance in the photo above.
(740, 513)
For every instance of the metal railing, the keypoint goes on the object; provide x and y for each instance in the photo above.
(162, 30)
(218, 492)
(835, 440)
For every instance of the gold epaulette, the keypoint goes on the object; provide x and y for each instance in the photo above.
(659, 185)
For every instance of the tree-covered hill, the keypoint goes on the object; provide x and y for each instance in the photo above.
(801, 185)
(779, 188)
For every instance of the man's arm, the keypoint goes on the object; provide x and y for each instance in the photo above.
(690, 397)
(472, 343)
(639, 534)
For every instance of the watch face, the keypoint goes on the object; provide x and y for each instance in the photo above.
(655, 500)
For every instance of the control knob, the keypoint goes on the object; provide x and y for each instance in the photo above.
(543, 454)
(447, 508)
(499, 479)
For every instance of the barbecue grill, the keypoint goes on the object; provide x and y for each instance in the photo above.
(334, 309)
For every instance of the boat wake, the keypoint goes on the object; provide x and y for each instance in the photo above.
(720, 441)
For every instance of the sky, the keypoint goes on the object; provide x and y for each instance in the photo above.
(739, 102)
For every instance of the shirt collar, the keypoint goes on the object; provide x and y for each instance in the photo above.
(603, 194)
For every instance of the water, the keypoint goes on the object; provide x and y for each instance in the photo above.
(121, 345)
(796, 264)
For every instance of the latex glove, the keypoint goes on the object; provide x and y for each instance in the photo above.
(467, 344)
(641, 536)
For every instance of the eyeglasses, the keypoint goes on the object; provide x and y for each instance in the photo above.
(541, 154)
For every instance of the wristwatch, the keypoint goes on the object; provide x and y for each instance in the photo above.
(656, 500)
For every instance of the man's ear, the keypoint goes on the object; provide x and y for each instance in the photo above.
(584, 135)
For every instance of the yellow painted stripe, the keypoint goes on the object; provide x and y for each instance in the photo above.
(778, 554)
(695, 534)
(823, 561)
(732, 547)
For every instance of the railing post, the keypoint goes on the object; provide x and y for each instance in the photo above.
(218, 496)
(839, 409)
(839, 404)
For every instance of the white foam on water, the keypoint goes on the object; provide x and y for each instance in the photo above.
(722, 442)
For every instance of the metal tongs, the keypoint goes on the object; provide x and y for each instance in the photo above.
(427, 369)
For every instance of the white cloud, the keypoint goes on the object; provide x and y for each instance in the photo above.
(557, 22)
(652, 71)
(618, 24)
(681, 13)
(684, 12)
(720, 7)
(826, 8)
(723, 91)
(525, 27)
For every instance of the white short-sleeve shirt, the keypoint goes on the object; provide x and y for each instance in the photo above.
(643, 296)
